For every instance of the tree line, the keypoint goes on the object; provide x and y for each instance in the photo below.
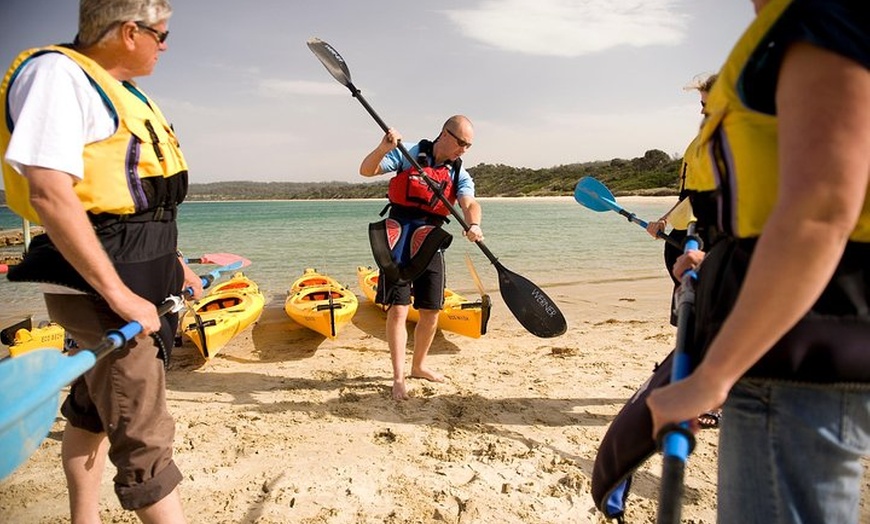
(655, 173)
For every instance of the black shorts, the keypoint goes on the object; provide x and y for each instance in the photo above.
(427, 289)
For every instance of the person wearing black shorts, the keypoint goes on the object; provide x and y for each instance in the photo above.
(416, 212)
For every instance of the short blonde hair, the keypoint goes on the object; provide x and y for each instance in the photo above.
(702, 83)
(96, 17)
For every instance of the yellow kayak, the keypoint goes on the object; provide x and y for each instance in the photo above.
(459, 315)
(320, 303)
(227, 310)
(23, 337)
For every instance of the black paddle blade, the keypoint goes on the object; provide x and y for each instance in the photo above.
(331, 60)
(530, 305)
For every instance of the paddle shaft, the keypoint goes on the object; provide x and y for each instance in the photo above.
(677, 445)
(118, 338)
(644, 224)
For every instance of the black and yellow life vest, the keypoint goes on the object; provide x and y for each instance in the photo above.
(740, 144)
(829, 343)
(139, 168)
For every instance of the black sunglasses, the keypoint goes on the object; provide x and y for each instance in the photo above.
(461, 142)
(161, 35)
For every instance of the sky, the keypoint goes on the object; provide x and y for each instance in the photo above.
(545, 82)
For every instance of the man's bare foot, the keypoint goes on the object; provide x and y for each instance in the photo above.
(427, 374)
(400, 392)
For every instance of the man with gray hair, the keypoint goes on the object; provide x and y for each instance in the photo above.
(91, 157)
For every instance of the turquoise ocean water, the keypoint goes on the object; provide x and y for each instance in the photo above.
(547, 240)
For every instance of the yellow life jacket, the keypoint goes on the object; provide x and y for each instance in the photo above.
(124, 174)
(697, 170)
(741, 144)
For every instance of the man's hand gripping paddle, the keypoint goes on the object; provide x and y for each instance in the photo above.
(30, 387)
(30, 384)
(528, 303)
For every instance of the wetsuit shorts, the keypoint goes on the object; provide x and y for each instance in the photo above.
(427, 289)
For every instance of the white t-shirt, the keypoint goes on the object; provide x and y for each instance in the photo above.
(55, 111)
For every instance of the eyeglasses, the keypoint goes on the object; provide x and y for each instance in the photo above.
(461, 142)
(161, 35)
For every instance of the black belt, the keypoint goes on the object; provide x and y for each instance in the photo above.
(413, 213)
(159, 214)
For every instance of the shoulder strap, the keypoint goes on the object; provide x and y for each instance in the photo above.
(425, 152)
(457, 166)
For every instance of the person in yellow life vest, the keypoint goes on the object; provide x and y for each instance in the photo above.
(412, 258)
(679, 215)
(782, 331)
(89, 156)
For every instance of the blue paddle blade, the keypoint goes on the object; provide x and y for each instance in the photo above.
(594, 195)
(30, 387)
(229, 267)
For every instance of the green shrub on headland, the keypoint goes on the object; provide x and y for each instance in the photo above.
(655, 173)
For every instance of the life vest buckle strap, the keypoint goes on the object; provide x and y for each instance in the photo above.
(158, 214)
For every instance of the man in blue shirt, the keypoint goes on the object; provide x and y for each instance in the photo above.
(413, 204)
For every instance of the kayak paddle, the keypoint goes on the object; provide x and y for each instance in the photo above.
(676, 440)
(528, 303)
(214, 274)
(30, 387)
(220, 259)
(30, 384)
(594, 195)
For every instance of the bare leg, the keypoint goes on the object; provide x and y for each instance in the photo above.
(397, 339)
(84, 458)
(423, 336)
(166, 510)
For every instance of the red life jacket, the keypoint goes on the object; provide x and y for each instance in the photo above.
(408, 189)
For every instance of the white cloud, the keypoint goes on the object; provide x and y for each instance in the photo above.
(572, 27)
(281, 88)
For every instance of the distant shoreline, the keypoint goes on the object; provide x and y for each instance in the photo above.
(562, 198)
(632, 197)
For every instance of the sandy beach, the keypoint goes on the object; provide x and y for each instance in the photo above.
(284, 426)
